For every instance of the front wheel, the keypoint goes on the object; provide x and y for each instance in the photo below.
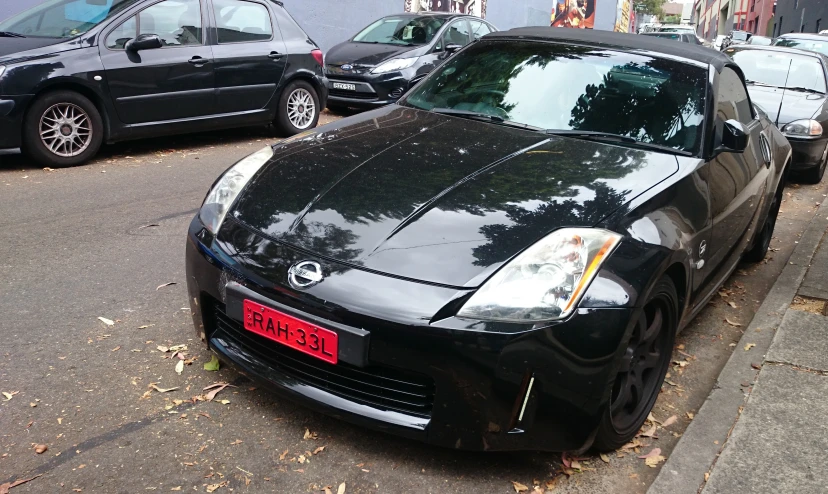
(61, 129)
(815, 174)
(642, 369)
(762, 243)
(298, 108)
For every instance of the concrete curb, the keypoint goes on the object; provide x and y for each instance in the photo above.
(702, 442)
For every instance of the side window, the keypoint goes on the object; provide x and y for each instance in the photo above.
(733, 102)
(457, 34)
(121, 34)
(239, 21)
(479, 29)
(176, 22)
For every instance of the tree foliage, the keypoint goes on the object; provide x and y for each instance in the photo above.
(649, 7)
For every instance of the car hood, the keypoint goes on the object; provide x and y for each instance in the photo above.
(797, 104)
(16, 48)
(434, 198)
(365, 54)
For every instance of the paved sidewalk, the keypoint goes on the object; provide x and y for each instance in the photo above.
(763, 428)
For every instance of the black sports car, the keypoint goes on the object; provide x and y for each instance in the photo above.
(790, 85)
(501, 260)
(394, 53)
(77, 73)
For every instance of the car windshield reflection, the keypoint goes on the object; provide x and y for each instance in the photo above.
(568, 87)
(401, 30)
(63, 18)
(769, 68)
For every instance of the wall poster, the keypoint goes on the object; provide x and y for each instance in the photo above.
(473, 7)
(622, 16)
(579, 14)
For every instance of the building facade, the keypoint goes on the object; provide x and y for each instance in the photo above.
(715, 17)
(801, 16)
(330, 22)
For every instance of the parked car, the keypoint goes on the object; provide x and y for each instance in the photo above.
(803, 41)
(759, 40)
(790, 85)
(502, 259)
(678, 28)
(380, 63)
(77, 73)
(681, 37)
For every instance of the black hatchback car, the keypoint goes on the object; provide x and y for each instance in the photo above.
(385, 59)
(77, 73)
(502, 259)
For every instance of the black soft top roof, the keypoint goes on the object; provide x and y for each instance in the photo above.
(622, 41)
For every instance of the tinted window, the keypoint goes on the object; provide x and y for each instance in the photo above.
(772, 69)
(457, 34)
(239, 21)
(556, 86)
(176, 22)
(732, 100)
(479, 29)
(804, 44)
(402, 30)
(121, 34)
(740, 35)
(665, 35)
(63, 18)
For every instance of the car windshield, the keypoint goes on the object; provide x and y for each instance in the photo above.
(558, 87)
(402, 30)
(665, 35)
(765, 67)
(818, 46)
(759, 40)
(740, 35)
(63, 18)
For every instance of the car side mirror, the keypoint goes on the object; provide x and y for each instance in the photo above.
(451, 48)
(144, 42)
(734, 137)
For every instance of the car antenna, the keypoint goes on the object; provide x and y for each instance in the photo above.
(779, 110)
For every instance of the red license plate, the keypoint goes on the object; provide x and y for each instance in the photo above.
(298, 334)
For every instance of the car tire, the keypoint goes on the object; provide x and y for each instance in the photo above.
(762, 242)
(298, 108)
(642, 368)
(62, 128)
(815, 174)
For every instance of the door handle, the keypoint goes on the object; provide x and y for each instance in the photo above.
(275, 54)
(198, 60)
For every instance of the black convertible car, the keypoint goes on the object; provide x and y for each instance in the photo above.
(77, 73)
(790, 85)
(501, 260)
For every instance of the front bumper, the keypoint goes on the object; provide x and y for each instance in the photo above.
(370, 91)
(452, 383)
(12, 110)
(807, 153)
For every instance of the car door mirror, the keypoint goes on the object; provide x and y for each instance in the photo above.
(144, 42)
(734, 137)
(452, 47)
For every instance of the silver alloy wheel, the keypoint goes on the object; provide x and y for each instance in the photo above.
(301, 108)
(65, 129)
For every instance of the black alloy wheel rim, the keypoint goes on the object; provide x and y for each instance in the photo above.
(643, 366)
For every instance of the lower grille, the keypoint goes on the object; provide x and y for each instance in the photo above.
(341, 93)
(381, 387)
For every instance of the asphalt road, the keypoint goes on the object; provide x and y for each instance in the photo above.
(76, 245)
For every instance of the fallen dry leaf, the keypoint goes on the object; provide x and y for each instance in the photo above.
(41, 448)
(309, 435)
(735, 324)
(4, 487)
(749, 346)
(653, 461)
(215, 390)
(519, 487)
(108, 322)
(224, 402)
(327, 489)
(237, 441)
(649, 432)
(179, 367)
(318, 450)
(341, 488)
(213, 487)
(756, 366)
(733, 304)
(604, 458)
(162, 390)
(284, 454)
(653, 452)
(116, 348)
(670, 421)
(301, 459)
(9, 396)
(706, 476)
(690, 415)
(165, 284)
(176, 488)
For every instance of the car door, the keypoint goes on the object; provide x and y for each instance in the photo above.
(457, 32)
(250, 55)
(168, 83)
(736, 180)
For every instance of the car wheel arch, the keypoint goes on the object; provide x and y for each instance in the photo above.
(82, 89)
(308, 77)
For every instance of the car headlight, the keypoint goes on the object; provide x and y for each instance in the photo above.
(395, 64)
(803, 128)
(546, 281)
(228, 187)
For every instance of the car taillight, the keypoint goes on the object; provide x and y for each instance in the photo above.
(317, 55)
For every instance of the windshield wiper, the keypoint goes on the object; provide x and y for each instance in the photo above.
(757, 83)
(592, 135)
(805, 89)
(473, 115)
(9, 34)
